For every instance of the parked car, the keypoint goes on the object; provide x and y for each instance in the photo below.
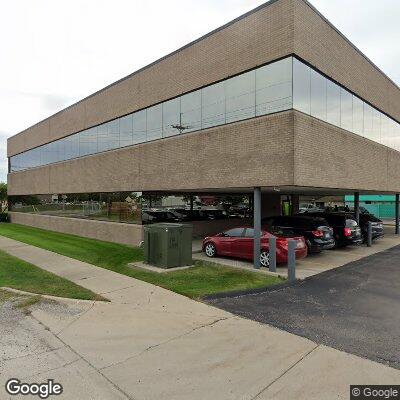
(162, 216)
(377, 225)
(238, 243)
(316, 230)
(346, 230)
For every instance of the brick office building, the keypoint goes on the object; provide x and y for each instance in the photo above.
(276, 100)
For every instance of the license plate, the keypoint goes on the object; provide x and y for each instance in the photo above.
(299, 245)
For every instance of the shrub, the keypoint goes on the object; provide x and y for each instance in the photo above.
(4, 217)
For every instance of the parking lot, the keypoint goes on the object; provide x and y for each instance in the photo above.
(354, 308)
(314, 263)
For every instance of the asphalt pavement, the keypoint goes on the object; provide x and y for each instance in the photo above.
(354, 308)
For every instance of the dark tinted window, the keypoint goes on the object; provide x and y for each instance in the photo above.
(236, 232)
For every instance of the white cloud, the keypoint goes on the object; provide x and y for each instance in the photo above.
(56, 52)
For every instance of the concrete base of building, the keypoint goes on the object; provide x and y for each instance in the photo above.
(129, 234)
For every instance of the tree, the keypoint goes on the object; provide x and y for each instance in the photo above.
(3, 196)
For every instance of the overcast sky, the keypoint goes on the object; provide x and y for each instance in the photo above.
(53, 53)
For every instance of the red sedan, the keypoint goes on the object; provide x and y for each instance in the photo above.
(238, 242)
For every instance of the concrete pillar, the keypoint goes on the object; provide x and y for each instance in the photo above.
(257, 226)
(397, 211)
(295, 204)
(357, 206)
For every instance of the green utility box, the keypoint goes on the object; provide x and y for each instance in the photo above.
(168, 245)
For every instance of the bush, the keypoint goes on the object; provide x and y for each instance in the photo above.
(4, 217)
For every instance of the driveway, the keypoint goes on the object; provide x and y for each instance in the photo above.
(354, 308)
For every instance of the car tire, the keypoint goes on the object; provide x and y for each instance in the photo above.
(264, 258)
(210, 249)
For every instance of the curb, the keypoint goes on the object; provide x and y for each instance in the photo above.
(49, 297)
(238, 293)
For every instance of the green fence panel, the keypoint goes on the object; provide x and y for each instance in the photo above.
(386, 211)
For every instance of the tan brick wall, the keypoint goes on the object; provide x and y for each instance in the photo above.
(129, 234)
(261, 37)
(256, 152)
(322, 46)
(330, 157)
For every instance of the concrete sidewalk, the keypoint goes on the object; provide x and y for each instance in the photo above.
(150, 343)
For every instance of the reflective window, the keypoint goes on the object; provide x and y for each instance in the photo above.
(318, 95)
(139, 126)
(88, 142)
(172, 124)
(126, 131)
(301, 87)
(213, 105)
(191, 111)
(274, 87)
(346, 110)
(368, 121)
(154, 122)
(240, 97)
(333, 103)
(358, 115)
(71, 147)
(113, 134)
(376, 126)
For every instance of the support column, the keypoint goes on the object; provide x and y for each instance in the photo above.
(397, 210)
(257, 226)
(357, 206)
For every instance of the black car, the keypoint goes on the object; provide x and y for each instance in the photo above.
(377, 225)
(346, 231)
(316, 231)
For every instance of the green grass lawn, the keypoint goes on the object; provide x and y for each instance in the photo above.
(204, 279)
(18, 274)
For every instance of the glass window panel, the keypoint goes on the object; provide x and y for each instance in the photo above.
(126, 130)
(213, 105)
(301, 86)
(346, 110)
(88, 142)
(385, 131)
(131, 207)
(102, 137)
(358, 116)
(71, 147)
(52, 153)
(139, 126)
(171, 117)
(36, 157)
(191, 111)
(318, 95)
(240, 97)
(368, 124)
(113, 134)
(108, 136)
(274, 87)
(154, 122)
(333, 103)
(376, 126)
